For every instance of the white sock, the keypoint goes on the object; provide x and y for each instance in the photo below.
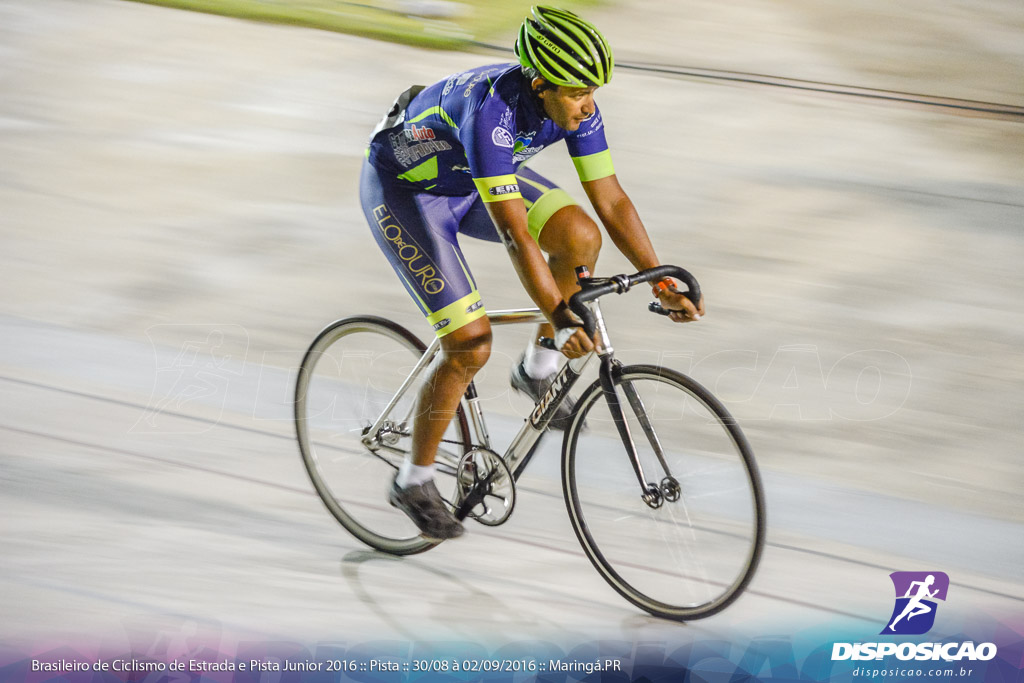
(413, 475)
(541, 363)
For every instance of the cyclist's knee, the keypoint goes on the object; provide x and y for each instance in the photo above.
(587, 237)
(468, 347)
(571, 232)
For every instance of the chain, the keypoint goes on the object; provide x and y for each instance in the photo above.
(449, 441)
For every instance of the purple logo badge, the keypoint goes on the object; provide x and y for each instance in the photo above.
(916, 593)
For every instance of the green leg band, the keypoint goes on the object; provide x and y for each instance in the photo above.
(546, 207)
(457, 314)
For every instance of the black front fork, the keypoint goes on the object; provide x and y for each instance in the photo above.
(653, 495)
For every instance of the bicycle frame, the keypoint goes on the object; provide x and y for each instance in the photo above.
(525, 443)
(584, 304)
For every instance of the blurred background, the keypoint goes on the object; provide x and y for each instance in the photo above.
(179, 217)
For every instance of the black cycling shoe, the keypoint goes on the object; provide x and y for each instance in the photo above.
(424, 506)
(535, 388)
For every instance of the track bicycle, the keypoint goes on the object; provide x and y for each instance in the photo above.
(660, 484)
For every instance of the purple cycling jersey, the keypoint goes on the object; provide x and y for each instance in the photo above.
(473, 130)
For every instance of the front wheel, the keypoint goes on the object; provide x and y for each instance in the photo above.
(685, 546)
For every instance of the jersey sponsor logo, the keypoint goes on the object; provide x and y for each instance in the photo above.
(526, 153)
(461, 168)
(521, 150)
(502, 138)
(409, 149)
(594, 124)
(474, 306)
(498, 190)
(506, 119)
(476, 79)
(442, 324)
(456, 80)
(423, 272)
(421, 133)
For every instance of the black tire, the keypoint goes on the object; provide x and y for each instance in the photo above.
(352, 479)
(688, 558)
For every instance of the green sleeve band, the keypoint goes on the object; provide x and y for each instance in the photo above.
(594, 166)
(498, 188)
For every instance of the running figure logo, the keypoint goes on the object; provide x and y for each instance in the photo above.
(916, 593)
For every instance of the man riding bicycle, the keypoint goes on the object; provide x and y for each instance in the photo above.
(448, 159)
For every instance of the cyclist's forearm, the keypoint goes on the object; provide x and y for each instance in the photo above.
(535, 275)
(629, 235)
(510, 220)
(620, 219)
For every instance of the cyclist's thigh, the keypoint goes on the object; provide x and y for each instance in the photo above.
(417, 233)
(541, 196)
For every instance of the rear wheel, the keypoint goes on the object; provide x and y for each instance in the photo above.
(347, 378)
(686, 547)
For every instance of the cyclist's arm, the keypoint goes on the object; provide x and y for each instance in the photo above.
(620, 219)
(592, 159)
(509, 217)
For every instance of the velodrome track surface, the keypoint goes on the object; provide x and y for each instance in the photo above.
(179, 217)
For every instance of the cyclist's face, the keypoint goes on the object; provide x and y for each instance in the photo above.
(568, 107)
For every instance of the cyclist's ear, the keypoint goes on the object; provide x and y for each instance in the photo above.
(539, 85)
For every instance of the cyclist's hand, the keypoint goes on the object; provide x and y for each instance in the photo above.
(682, 309)
(573, 342)
(570, 338)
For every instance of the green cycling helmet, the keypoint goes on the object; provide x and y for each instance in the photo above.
(564, 49)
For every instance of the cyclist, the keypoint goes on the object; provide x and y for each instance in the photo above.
(448, 159)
